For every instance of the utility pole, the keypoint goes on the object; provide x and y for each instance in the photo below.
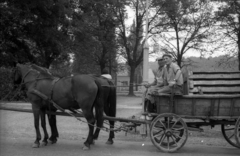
(146, 48)
(143, 128)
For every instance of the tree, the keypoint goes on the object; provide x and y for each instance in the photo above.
(97, 21)
(184, 25)
(131, 39)
(229, 17)
(103, 31)
(33, 31)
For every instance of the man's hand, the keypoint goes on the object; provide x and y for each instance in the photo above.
(147, 85)
(171, 83)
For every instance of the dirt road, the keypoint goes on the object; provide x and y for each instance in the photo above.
(21, 147)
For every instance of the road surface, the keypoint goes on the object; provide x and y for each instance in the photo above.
(11, 146)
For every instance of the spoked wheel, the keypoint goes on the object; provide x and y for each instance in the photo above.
(168, 132)
(237, 132)
(228, 133)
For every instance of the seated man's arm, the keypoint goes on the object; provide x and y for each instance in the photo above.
(178, 74)
(151, 84)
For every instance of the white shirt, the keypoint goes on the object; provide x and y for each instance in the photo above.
(108, 76)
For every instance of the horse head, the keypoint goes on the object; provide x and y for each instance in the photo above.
(19, 73)
(16, 76)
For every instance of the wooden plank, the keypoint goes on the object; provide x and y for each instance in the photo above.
(236, 109)
(205, 117)
(203, 107)
(225, 107)
(215, 76)
(217, 83)
(183, 106)
(223, 89)
(200, 96)
(212, 73)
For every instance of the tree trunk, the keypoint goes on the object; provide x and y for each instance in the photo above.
(239, 56)
(238, 50)
(179, 61)
(132, 73)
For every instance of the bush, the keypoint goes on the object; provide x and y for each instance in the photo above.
(7, 91)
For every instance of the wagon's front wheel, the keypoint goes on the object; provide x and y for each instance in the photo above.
(168, 132)
(237, 132)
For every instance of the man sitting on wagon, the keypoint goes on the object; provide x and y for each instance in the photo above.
(154, 86)
(172, 75)
(168, 80)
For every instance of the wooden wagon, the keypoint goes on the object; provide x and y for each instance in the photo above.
(211, 98)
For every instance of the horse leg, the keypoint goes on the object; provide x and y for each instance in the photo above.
(99, 113)
(91, 121)
(43, 123)
(53, 125)
(96, 134)
(36, 114)
(111, 133)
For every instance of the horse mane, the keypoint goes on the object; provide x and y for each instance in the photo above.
(42, 70)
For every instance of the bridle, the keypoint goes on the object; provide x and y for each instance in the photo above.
(36, 79)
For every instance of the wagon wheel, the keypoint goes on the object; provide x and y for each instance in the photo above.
(168, 132)
(228, 134)
(180, 134)
(237, 132)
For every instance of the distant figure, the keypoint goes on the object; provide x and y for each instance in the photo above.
(106, 74)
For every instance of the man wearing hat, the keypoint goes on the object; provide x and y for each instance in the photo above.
(154, 86)
(172, 75)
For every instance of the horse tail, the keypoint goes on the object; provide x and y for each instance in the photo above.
(112, 100)
(99, 105)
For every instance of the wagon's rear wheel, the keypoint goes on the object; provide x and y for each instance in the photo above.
(168, 132)
(228, 134)
(237, 132)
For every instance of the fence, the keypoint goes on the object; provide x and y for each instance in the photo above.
(125, 88)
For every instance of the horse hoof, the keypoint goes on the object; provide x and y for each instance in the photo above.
(85, 148)
(53, 141)
(93, 142)
(44, 144)
(35, 145)
(109, 142)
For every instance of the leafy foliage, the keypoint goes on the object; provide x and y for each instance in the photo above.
(32, 31)
(99, 45)
(228, 16)
(7, 91)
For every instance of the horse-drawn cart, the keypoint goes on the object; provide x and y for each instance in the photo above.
(210, 99)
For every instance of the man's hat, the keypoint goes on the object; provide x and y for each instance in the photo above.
(159, 59)
(168, 55)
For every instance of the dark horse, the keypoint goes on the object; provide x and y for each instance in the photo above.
(80, 91)
(107, 97)
(109, 101)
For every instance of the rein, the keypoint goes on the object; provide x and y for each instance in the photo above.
(22, 83)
